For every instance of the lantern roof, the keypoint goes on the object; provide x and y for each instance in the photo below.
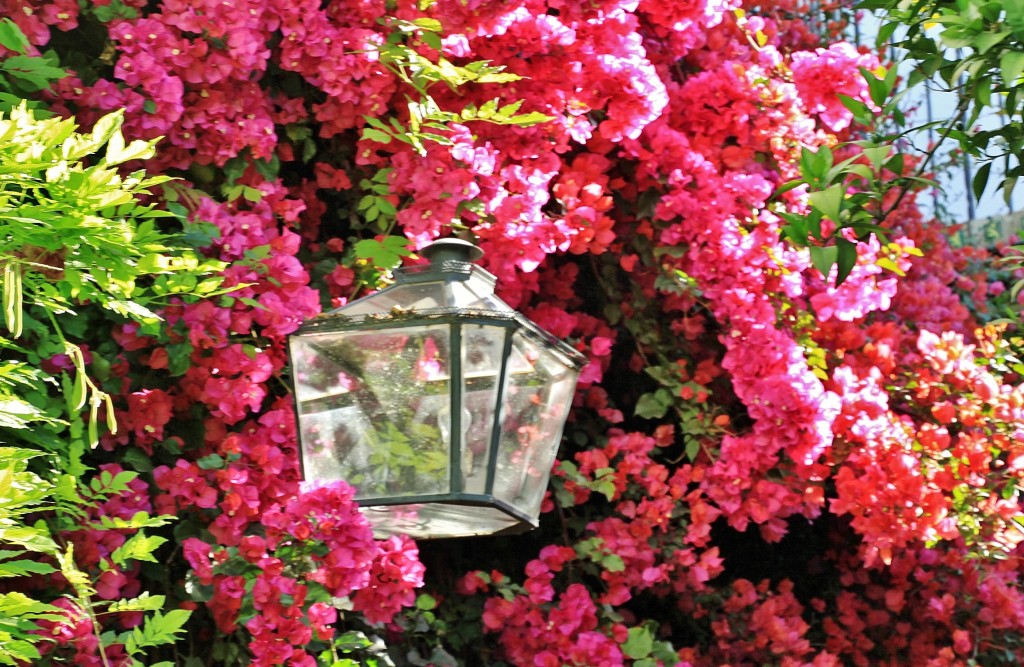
(450, 285)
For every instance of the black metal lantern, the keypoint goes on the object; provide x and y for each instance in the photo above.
(438, 402)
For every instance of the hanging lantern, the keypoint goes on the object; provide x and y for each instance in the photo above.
(441, 405)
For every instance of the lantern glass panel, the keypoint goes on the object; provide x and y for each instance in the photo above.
(426, 520)
(375, 409)
(536, 402)
(475, 293)
(415, 296)
(482, 348)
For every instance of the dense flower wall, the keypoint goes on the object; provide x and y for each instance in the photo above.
(762, 468)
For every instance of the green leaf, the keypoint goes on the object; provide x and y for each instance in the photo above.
(19, 604)
(829, 201)
(138, 520)
(846, 259)
(1008, 185)
(876, 155)
(957, 37)
(158, 629)
(144, 602)
(982, 95)
(1011, 64)
(376, 135)
(119, 153)
(528, 119)
(896, 163)
(20, 651)
(798, 227)
(653, 405)
(77, 399)
(890, 265)
(105, 128)
(861, 112)
(606, 487)
(490, 107)
(179, 358)
(987, 40)
(138, 547)
(12, 38)
(132, 310)
(498, 77)
(861, 170)
(428, 24)
(638, 644)
(814, 165)
(613, 563)
(35, 72)
(878, 89)
(425, 602)
(432, 39)
(384, 253)
(1015, 17)
(885, 31)
(823, 258)
(864, 228)
(980, 181)
(789, 185)
(252, 303)
(19, 568)
(377, 123)
(210, 462)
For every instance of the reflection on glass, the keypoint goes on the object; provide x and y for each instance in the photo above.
(421, 521)
(419, 296)
(535, 405)
(379, 393)
(482, 354)
(475, 294)
(335, 440)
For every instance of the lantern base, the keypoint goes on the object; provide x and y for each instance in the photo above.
(422, 521)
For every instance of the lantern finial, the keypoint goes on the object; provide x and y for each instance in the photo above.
(451, 249)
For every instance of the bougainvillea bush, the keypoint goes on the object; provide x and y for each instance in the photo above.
(763, 467)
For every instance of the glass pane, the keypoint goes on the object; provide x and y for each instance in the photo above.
(424, 521)
(418, 296)
(374, 409)
(536, 403)
(549, 435)
(336, 446)
(475, 293)
(482, 348)
(317, 376)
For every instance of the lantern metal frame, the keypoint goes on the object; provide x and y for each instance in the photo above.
(450, 262)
